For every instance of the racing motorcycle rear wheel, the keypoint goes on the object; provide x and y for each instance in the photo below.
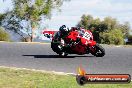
(55, 48)
(63, 54)
(98, 51)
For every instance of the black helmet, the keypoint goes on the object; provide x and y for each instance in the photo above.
(63, 29)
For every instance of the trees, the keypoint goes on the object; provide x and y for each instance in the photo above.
(111, 23)
(13, 23)
(95, 25)
(30, 12)
(108, 31)
(125, 28)
(86, 21)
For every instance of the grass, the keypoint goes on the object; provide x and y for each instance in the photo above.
(20, 78)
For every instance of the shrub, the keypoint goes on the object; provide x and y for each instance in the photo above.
(26, 39)
(112, 37)
(4, 36)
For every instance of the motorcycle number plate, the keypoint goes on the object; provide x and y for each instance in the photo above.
(87, 36)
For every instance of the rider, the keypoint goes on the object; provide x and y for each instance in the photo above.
(63, 30)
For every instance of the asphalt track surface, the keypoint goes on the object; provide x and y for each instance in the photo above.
(41, 57)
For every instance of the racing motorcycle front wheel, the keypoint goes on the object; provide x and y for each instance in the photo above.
(98, 51)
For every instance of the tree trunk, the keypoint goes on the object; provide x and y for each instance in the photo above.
(32, 34)
(33, 26)
(31, 39)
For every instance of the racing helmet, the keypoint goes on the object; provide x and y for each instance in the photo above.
(63, 29)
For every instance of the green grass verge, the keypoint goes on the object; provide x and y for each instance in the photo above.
(20, 78)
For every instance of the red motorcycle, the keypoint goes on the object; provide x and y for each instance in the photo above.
(76, 42)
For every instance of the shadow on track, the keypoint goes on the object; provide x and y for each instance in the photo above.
(54, 56)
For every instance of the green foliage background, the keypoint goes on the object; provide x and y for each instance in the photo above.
(106, 31)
